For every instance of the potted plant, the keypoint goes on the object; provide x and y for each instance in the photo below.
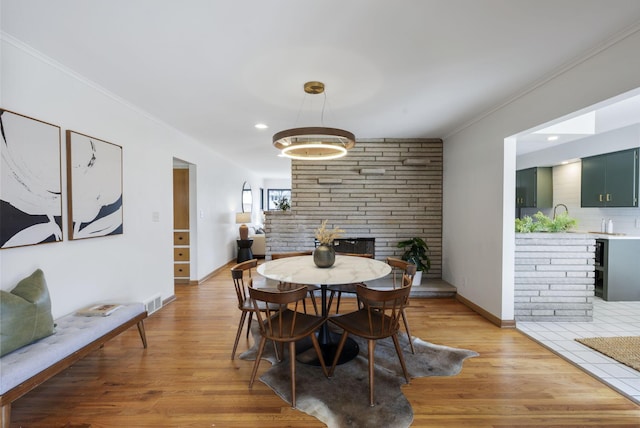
(325, 255)
(541, 223)
(283, 203)
(416, 252)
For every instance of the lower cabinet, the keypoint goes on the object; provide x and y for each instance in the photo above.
(181, 257)
(617, 269)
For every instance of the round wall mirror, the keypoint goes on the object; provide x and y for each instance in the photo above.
(247, 198)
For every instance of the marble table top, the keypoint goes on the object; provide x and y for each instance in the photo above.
(302, 270)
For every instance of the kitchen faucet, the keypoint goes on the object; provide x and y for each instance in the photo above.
(556, 207)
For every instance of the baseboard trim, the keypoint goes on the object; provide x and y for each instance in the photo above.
(214, 272)
(485, 314)
(168, 300)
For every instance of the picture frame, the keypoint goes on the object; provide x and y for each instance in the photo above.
(30, 181)
(94, 187)
(274, 195)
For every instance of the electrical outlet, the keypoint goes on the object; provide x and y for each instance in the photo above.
(637, 222)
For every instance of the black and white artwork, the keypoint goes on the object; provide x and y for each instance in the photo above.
(94, 180)
(30, 181)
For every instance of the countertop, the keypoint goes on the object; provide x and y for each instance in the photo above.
(602, 235)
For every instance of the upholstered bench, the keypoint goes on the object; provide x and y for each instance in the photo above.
(75, 336)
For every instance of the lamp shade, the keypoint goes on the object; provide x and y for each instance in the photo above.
(243, 218)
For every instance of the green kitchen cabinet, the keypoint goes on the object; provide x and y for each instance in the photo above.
(610, 180)
(534, 188)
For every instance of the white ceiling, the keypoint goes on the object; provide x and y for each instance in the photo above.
(618, 112)
(410, 68)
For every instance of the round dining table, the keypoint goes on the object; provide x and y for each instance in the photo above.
(346, 270)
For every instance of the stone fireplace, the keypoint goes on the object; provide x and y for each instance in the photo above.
(384, 189)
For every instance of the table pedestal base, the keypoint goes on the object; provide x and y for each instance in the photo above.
(306, 354)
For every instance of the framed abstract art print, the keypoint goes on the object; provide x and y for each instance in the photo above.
(30, 181)
(94, 186)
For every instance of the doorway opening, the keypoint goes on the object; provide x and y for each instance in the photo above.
(183, 223)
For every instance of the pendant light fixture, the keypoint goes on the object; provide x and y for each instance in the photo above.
(314, 143)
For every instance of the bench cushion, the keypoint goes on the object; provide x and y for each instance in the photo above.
(25, 313)
(73, 332)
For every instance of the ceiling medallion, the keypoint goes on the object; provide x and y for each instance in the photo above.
(314, 143)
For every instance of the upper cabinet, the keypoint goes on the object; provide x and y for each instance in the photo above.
(610, 180)
(534, 188)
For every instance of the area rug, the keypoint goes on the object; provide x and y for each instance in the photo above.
(625, 350)
(343, 400)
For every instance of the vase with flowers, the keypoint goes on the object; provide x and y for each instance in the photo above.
(324, 255)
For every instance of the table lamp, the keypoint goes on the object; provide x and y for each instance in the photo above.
(241, 219)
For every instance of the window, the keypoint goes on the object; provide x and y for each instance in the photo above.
(275, 195)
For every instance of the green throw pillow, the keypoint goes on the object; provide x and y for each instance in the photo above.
(25, 313)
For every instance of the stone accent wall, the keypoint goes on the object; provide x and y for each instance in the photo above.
(389, 189)
(554, 277)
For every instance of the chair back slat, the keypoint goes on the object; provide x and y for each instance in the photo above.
(241, 284)
(400, 267)
(278, 320)
(276, 256)
(384, 307)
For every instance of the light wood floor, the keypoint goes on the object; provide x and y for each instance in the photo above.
(186, 378)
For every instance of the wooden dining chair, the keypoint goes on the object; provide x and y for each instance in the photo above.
(284, 286)
(282, 323)
(241, 275)
(337, 290)
(379, 318)
(398, 269)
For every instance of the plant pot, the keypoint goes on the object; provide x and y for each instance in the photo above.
(324, 256)
(417, 278)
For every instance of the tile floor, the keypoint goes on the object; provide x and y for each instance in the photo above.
(609, 319)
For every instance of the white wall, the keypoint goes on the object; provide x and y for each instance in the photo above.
(479, 172)
(611, 141)
(139, 263)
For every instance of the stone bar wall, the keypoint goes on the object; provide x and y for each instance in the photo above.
(554, 277)
(388, 189)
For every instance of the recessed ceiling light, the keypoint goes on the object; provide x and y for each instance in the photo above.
(552, 138)
(568, 161)
(261, 126)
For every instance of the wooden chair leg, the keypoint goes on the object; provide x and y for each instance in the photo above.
(331, 294)
(257, 362)
(313, 301)
(406, 328)
(240, 325)
(316, 346)
(372, 348)
(396, 343)
(343, 340)
(249, 324)
(277, 351)
(292, 357)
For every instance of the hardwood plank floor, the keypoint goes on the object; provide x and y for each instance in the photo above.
(186, 378)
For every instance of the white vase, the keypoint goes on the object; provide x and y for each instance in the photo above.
(417, 278)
